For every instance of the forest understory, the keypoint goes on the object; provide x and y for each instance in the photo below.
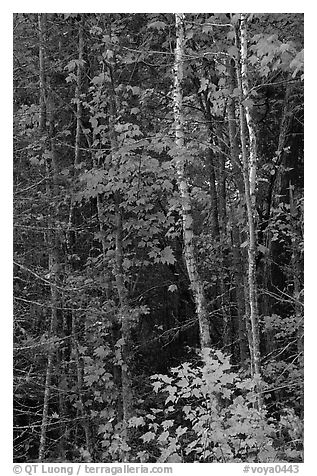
(158, 237)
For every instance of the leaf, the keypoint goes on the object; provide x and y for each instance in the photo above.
(35, 160)
(233, 51)
(248, 103)
(253, 59)
(167, 256)
(171, 398)
(174, 458)
(167, 424)
(172, 288)
(70, 15)
(158, 25)
(297, 64)
(157, 386)
(166, 379)
(73, 64)
(135, 90)
(101, 352)
(108, 55)
(163, 436)
(100, 79)
(181, 430)
(149, 436)
(207, 28)
(263, 249)
(203, 85)
(136, 421)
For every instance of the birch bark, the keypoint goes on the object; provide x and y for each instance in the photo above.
(187, 219)
(249, 161)
(52, 239)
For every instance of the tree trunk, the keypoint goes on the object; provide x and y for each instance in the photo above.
(297, 281)
(124, 314)
(52, 238)
(249, 159)
(53, 320)
(214, 221)
(79, 370)
(275, 192)
(245, 89)
(239, 291)
(218, 213)
(272, 200)
(42, 39)
(79, 88)
(188, 234)
(78, 92)
(74, 341)
(234, 132)
(222, 214)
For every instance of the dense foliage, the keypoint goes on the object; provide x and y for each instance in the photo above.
(109, 364)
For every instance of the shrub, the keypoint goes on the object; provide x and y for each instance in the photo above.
(209, 416)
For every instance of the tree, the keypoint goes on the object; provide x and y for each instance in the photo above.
(249, 163)
(189, 252)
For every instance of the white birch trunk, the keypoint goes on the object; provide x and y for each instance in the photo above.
(188, 234)
(249, 157)
(245, 91)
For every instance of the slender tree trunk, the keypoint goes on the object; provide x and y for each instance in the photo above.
(53, 320)
(273, 199)
(275, 195)
(71, 219)
(47, 110)
(214, 221)
(214, 208)
(244, 87)
(297, 281)
(78, 92)
(125, 317)
(218, 213)
(79, 370)
(221, 188)
(79, 88)
(42, 39)
(53, 242)
(249, 160)
(124, 306)
(239, 290)
(297, 271)
(62, 358)
(233, 131)
(222, 214)
(188, 234)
